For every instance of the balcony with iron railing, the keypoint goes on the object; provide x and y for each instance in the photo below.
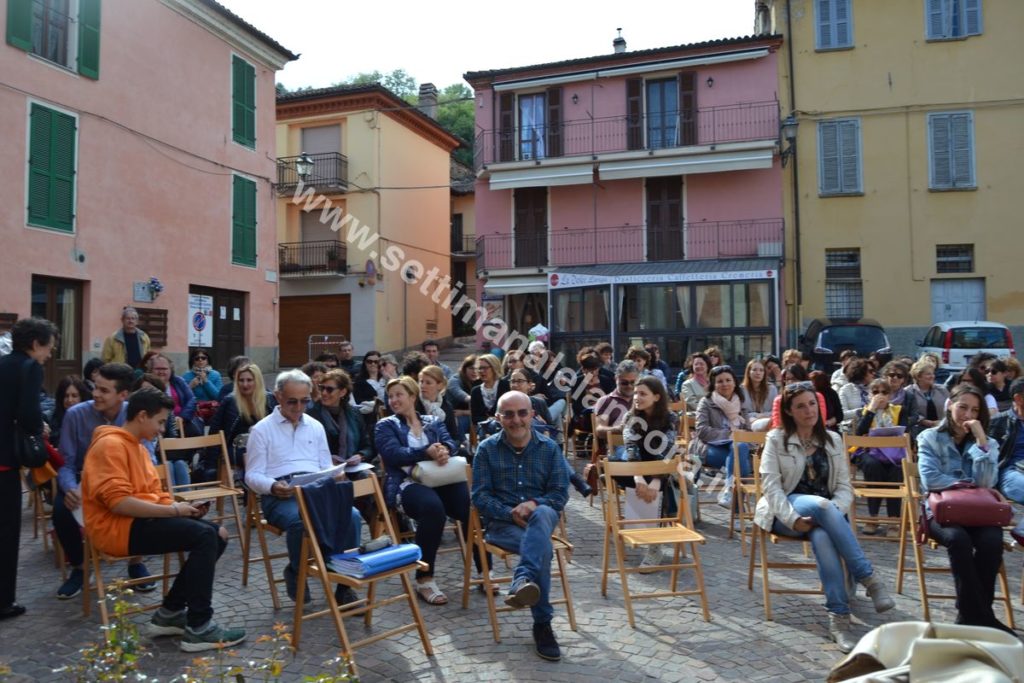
(567, 246)
(645, 132)
(463, 245)
(329, 173)
(321, 258)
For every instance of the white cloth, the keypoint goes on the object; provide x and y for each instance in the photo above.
(278, 448)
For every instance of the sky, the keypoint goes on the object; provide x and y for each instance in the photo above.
(437, 42)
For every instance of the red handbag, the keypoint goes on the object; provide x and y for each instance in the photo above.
(968, 505)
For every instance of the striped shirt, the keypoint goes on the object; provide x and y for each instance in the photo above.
(503, 478)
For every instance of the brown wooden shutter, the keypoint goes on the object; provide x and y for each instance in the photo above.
(688, 107)
(506, 127)
(554, 122)
(153, 321)
(634, 113)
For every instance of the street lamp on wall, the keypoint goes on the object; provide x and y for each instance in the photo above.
(788, 130)
(303, 166)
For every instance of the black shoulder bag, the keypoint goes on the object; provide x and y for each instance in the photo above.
(29, 449)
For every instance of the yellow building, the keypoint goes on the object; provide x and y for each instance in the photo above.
(363, 217)
(902, 203)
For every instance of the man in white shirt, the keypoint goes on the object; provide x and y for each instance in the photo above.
(283, 444)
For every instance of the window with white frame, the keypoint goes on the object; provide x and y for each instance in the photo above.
(951, 151)
(952, 19)
(839, 157)
(844, 289)
(834, 24)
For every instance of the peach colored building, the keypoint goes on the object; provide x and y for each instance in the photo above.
(139, 144)
(635, 197)
(361, 256)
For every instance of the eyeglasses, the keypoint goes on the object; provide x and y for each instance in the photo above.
(329, 388)
(992, 371)
(626, 382)
(483, 368)
(296, 401)
(202, 358)
(522, 414)
(721, 368)
(372, 361)
(518, 380)
(895, 375)
(876, 392)
(797, 387)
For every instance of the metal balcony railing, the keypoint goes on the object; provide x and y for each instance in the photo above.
(569, 246)
(648, 131)
(463, 244)
(329, 173)
(312, 259)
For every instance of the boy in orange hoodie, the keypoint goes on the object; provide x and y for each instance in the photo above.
(127, 512)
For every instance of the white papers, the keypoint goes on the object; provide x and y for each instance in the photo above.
(78, 515)
(634, 508)
(358, 467)
(303, 479)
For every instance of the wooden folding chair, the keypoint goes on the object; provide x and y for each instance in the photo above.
(220, 490)
(254, 519)
(561, 550)
(886, 490)
(676, 530)
(912, 504)
(93, 565)
(759, 559)
(744, 489)
(314, 564)
(686, 424)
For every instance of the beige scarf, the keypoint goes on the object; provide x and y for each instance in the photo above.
(731, 407)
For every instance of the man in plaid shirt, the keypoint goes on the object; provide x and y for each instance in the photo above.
(520, 485)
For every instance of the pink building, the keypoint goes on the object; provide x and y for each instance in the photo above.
(139, 144)
(635, 197)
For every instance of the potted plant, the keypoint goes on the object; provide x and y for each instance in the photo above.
(332, 258)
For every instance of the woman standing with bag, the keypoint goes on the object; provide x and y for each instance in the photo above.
(21, 378)
(955, 452)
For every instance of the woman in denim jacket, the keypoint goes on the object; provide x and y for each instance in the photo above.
(403, 440)
(958, 450)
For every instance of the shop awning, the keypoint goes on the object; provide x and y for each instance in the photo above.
(517, 284)
(543, 176)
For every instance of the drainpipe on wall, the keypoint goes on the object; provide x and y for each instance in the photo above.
(795, 325)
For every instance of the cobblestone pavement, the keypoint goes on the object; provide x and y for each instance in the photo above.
(671, 641)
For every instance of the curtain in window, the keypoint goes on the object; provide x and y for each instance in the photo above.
(683, 302)
(531, 127)
(68, 339)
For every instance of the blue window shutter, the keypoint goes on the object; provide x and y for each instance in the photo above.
(828, 157)
(843, 35)
(824, 10)
(939, 139)
(936, 20)
(961, 153)
(972, 19)
(89, 38)
(849, 159)
(19, 24)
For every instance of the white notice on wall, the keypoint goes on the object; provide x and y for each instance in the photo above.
(236, 313)
(223, 312)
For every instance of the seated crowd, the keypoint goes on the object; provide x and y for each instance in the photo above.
(509, 419)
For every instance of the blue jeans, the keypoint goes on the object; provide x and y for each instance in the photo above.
(1011, 483)
(284, 514)
(833, 541)
(534, 547)
(721, 458)
(179, 472)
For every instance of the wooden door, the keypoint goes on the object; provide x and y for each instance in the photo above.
(302, 316)
(229, 311)
(531, 227)
(665, 219)
(60, 302)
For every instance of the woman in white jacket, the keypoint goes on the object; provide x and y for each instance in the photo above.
(807, 492)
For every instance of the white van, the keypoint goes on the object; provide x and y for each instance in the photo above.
(957, 341)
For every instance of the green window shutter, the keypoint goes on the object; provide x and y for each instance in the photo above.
(243, 222)
(19, 24)
(89, 38)
(243, 102)
(51, 195)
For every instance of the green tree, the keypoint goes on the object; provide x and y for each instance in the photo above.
(398, 82)
(456, 115)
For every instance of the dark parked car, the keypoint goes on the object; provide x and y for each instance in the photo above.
(825, 339)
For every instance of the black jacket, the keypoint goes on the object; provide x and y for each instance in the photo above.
(1003, 428)
(21, 379)
(358, 439)
(477, 409)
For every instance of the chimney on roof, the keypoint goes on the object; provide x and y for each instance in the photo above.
(619, 43)
(428, 100)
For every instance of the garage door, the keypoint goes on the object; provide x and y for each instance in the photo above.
(302, 316)
(958, 300)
